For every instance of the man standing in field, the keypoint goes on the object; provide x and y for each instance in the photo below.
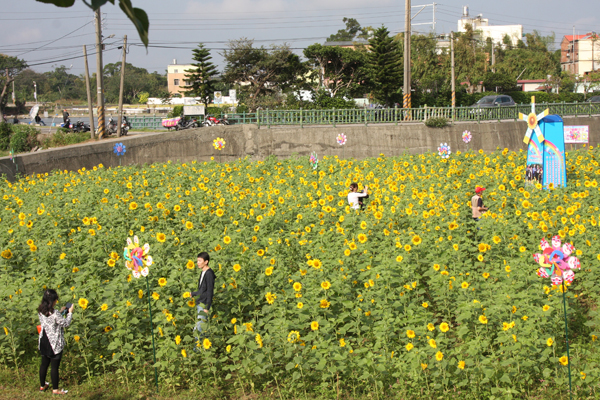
(477, 203)
(204, 294)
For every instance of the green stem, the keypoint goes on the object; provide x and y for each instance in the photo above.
(567, 340)
(152, 331)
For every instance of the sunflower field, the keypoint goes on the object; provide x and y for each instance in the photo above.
(408, 297)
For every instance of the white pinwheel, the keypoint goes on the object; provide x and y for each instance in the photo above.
(532, 123)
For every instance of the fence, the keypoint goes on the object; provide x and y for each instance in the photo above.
(385, 115)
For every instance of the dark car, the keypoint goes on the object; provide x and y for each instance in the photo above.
(594, 99)
(494, 101)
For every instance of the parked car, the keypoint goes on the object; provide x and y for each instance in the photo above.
(495, 101)
(594, 99)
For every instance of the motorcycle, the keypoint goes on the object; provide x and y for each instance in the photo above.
(80, 126)
(67, 124)
(191, 123)
(111, 127)
(212, 121)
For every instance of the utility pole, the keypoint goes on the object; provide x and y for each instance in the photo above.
(99, 80)
(89, 92)
(119, 133)
(493, 58)
(407, 22)
(452, 72)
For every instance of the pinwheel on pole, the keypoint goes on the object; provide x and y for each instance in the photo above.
(341, 140)
(119, 149)
(532, 123)
(557, 263)
(219, 144)
(137, 260)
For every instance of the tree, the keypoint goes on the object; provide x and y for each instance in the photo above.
(135, 15)
(386, 71)
(201, 78)
(10, 67)
(351, 32)
(261, 72)
(337, 68)
(470, 60)
(499, 81)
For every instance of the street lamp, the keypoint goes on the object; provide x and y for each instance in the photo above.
(35, 91)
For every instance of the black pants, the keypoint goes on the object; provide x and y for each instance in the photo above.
(46, 361)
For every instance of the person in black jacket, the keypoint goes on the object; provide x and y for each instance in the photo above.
(204, 294)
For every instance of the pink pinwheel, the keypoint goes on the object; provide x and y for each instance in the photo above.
(137, 258)
(556, 261)
(466, 136)
(341, 139)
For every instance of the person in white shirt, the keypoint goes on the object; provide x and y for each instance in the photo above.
(354, 197)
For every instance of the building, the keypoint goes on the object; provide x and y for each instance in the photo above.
(580, 54)
(483, 30)
(535, 85)
(176, 77)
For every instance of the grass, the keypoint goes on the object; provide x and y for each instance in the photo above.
(64, 138)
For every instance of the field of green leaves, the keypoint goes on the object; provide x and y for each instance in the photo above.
(405, 298)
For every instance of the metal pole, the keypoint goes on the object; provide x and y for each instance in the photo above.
(406, 89)
(452, 73)
(151, 330)
(99, 80)
(119, 133)
(89, 93)
(493, 58)
(567, 341)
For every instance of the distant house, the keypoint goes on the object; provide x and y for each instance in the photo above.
(579, 54)
(532, 85)
(483, 30)
(176, 77)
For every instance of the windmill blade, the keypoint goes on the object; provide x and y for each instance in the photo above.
(523, 117)
(539, 134)
(542, 114)
(527, 137)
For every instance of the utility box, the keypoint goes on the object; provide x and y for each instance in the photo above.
(193, 110)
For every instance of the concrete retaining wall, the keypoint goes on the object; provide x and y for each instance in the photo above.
(248, 140)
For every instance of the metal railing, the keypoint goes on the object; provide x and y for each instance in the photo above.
(368, 116)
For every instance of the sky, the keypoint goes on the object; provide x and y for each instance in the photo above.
(47, 36)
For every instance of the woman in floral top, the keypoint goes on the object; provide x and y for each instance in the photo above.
(52, 338)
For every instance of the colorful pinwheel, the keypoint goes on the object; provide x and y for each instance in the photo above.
(136, 258)
(444, 150)
(556, 261)
(119, 149)
(466, 136)
(314, 160)
(341, 139)
(219, 144)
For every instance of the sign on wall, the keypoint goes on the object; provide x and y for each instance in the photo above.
(577, 134)
(218, 98)
(232, 96)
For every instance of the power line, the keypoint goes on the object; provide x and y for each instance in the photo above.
(62, 37)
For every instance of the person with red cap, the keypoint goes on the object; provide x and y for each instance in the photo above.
(477, 203)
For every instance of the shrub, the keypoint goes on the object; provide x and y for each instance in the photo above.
(24, 138)
(5, 132)
(62, 138)
(436, 122)
(175, 112)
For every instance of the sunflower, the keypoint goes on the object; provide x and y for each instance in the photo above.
(177, 339)
(316, 263)
(410, 333)
(439, 356)
(485, 275)
(549, 342)
(219, 212)
(237, 267)
(461, 365)
(399, 259)
(444, 327)
(226, 239)
(314, 326)
(416, 240)
(183, 353)
(425, 305)
(155, 296)
(104, 307)
(409, 347)
(191, 303)
(430, 327)
(300, 305)
(564, 360)
(190, 264)
(107, 329)
(293, 337)
(270, 297)
(483, 319)
(297, 286)
(325, 285)
(161, 237)
(162, 282)
(324, 303)
(189, 225)
(7, 254)
(432, 343)
(133, 205)
(268, 271)
(546, 307)
(362, 237)
(464, 285)
(111, 262)
(83, 303)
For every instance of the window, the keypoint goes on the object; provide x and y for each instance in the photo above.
(186, 83)
(176, 82)
(175, 71)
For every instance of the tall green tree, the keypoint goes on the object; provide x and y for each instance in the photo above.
(386, 69)
(201, 78)
(339, 69)
(469, 60)
(10, 67)
(260, 72)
